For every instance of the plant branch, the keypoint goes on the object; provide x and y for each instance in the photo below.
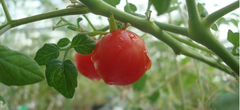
(8, 16)
(210, 19)
(179, 76)
(63, 12)
(101, 8)
(166, 27)
(191, 44)
(194, 18)
(172, 28)
(203, 35)
(90, 23)
(200, 84)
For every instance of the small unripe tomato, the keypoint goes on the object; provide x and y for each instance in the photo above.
(85, 66)
(121, 58)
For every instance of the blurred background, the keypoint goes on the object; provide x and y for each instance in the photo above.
(170, 81)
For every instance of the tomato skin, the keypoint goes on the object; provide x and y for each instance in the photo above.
(85, 66)
(121, 58)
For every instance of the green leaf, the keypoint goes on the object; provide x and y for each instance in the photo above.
(3, 100)
(83, 44)
(63, 42)
(62, 76)
(221, 21)
(233, 38)
(112, 23)
(72, 27)
(214, 27)
(78, 21)
(48, 52)
(140, 84)
(235, 22)
(161, 6)
(130, 8)
(153, 98)
(18, 69)
(112, 2)
(201, 10)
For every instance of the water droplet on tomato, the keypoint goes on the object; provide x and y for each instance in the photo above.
(117, 49)
(94, 57)
(121, 39)
(132, 37)
(149, 63)
(110, 83)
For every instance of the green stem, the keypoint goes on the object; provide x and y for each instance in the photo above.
(94, 33)
(210, 19)
(199, 84)
(179, 76)
(90, 23)
(63, 12)
(194, 18)
(191, 44)
(173, 28)
(8, 16)
(167, 27)
(104, 29)
(149, 5)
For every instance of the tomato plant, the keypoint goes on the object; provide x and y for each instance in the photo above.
(121, 57)
(188, 36)
(85, 66)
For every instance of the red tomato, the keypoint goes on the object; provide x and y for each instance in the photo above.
(85, 66)
(121, 58)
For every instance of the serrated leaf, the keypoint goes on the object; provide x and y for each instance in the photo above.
(112, 2)
(83, 44)
(201, 10)
(130, 8)
(3, 101)
(153, 98)
(161, 6)
(62, 76)
(233, 38)
(48, 52)
(63, 42)
(140, 84)
(18, 69)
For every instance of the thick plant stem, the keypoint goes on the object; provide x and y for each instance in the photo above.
(210, 19)
(101, 8)
(58, 13)
(179, 76)
(8, 16)
(202, 34)
(200, 85)
(191, 44)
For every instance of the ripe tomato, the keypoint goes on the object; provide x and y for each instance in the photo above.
(121, 58)
(85, 66)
